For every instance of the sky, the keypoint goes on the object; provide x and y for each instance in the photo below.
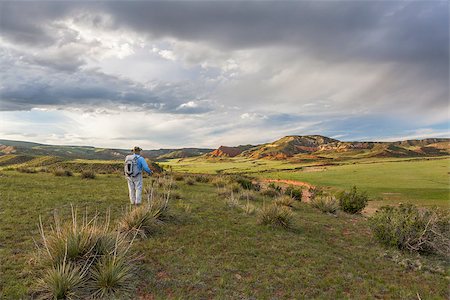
(211, 73)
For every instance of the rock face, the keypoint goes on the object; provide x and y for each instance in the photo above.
(224, 151)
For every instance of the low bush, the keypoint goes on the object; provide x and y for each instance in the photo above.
(62, 172)
(326, 204)
(295, 193)
(87, 174)
(284, 200)
(407, 227)
(277, 216)
(247, 184)
(353, 201)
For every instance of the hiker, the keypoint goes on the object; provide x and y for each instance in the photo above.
(134, 164)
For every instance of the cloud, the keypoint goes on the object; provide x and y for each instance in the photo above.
(239, 68)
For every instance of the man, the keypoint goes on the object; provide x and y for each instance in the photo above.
(134, 165)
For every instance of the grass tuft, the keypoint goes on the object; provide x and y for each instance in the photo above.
(277, 216)
(326, 204)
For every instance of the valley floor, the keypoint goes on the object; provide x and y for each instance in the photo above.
(213, 251)
(422, 181)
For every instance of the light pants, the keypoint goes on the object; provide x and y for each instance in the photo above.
(135, 189)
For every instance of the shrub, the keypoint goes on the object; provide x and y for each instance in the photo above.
(353, 202)
(326, 204)
(277, 216)
(62, 172)
(407, 227)
(294, 193)
(247, 184)
(88, 174)
(234, 187)
(284, 200)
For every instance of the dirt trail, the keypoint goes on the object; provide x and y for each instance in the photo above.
(306, 195)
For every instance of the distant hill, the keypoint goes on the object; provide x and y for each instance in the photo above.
(28, 149)
(293, 147)
(319, 147)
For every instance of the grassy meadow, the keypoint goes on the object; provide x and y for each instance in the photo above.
(423, 182)
(214, 251)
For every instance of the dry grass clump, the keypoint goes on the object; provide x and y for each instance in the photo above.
(26, 170)
(72, 255)
(407, 227)
(141, 220)
(87, 174)
(62, 172)
(232, 200)
(220, 181)
(275, 215)
(202, 178)
(326, 204)
(178, 177)
(190, 181)
(284, 200)
(247, 195)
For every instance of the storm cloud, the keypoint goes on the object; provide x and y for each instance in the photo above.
(277, 67)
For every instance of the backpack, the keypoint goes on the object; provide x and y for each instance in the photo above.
(131, 166)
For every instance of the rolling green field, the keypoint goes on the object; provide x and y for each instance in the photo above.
(212, 251)
(419, 181)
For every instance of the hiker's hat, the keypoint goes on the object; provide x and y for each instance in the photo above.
(136, 149)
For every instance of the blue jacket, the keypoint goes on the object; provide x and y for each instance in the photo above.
(142, 165)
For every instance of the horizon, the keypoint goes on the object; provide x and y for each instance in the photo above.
(216, 147)
(114, 74)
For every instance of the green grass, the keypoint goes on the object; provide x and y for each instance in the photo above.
(423, 182)
(214, 251)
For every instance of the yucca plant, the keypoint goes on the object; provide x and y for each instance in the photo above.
(326, 204)
(141, 220)
(284, 200)
(63, 281)
(72, 240)
(275, 215)
(111, 277)
(88, 174)
(70, 251)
